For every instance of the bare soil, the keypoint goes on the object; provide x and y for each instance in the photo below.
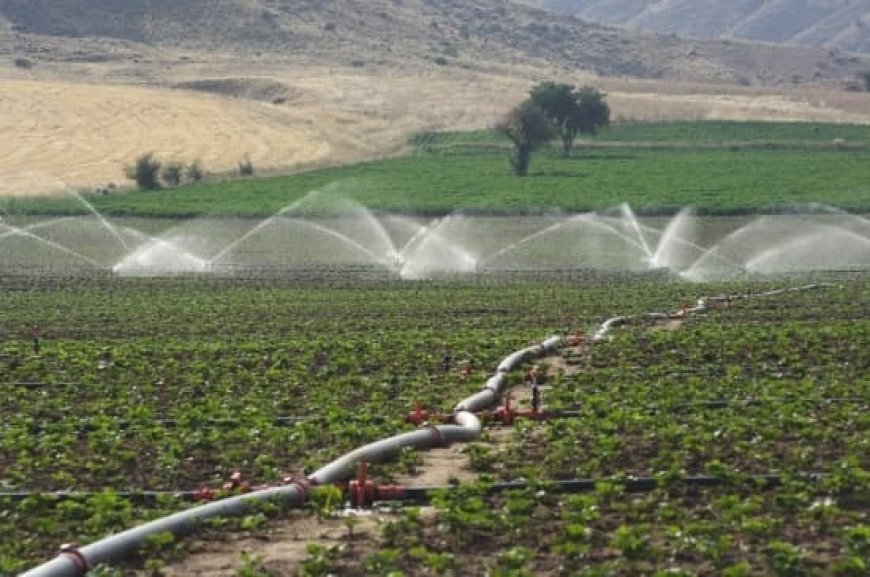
(279, 549)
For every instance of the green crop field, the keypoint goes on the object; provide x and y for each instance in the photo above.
(119, 359)
(718, 167)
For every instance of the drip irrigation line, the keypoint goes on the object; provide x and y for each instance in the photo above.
(88, 425)
(42, 384)
(134, 497)
(712, 404)
(423, 494)
(724, 403)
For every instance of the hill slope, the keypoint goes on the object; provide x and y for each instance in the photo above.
(840, 24)
(412, 32)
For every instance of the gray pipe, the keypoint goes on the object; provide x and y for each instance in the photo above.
(552, 343)
(117, 547)
(467, 428)
(122, 545)
(513, 360)
(496, 383)
(605, 327)
(477, 402)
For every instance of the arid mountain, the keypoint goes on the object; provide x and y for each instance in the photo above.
(467, 33)
(838, 24)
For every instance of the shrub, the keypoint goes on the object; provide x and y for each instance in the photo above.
(246, 167)
(171, 173)
(23, 63)
(193, 172)
(145, 171)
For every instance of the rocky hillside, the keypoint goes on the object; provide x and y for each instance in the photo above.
(467, 33)
(839, 24)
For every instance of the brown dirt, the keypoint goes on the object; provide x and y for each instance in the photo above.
(280, 549)
(441, 467)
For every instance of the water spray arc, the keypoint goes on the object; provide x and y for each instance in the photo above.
(326, 230)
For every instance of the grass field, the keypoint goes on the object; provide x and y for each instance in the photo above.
(718, 167)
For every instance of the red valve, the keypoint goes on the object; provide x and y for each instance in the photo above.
(419, 415)
(363, 491)
(576, 339)
(466, 371)
(505, 414)
(236, 484)
(204, 494)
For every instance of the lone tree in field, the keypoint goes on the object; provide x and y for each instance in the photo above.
(528, 128)
(571, 111)
(145, 172)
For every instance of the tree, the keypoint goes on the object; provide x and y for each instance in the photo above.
(145, 171)
(593, 110)
(571, 111)
(528, 128)
(559, 103)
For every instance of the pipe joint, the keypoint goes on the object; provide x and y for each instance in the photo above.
(438, 437)
(71, 552)
(304, 485)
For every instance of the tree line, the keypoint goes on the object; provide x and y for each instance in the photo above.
(552, 110)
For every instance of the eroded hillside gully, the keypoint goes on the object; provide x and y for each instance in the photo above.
(464, 426)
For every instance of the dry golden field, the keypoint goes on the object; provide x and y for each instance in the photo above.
(59, 130)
